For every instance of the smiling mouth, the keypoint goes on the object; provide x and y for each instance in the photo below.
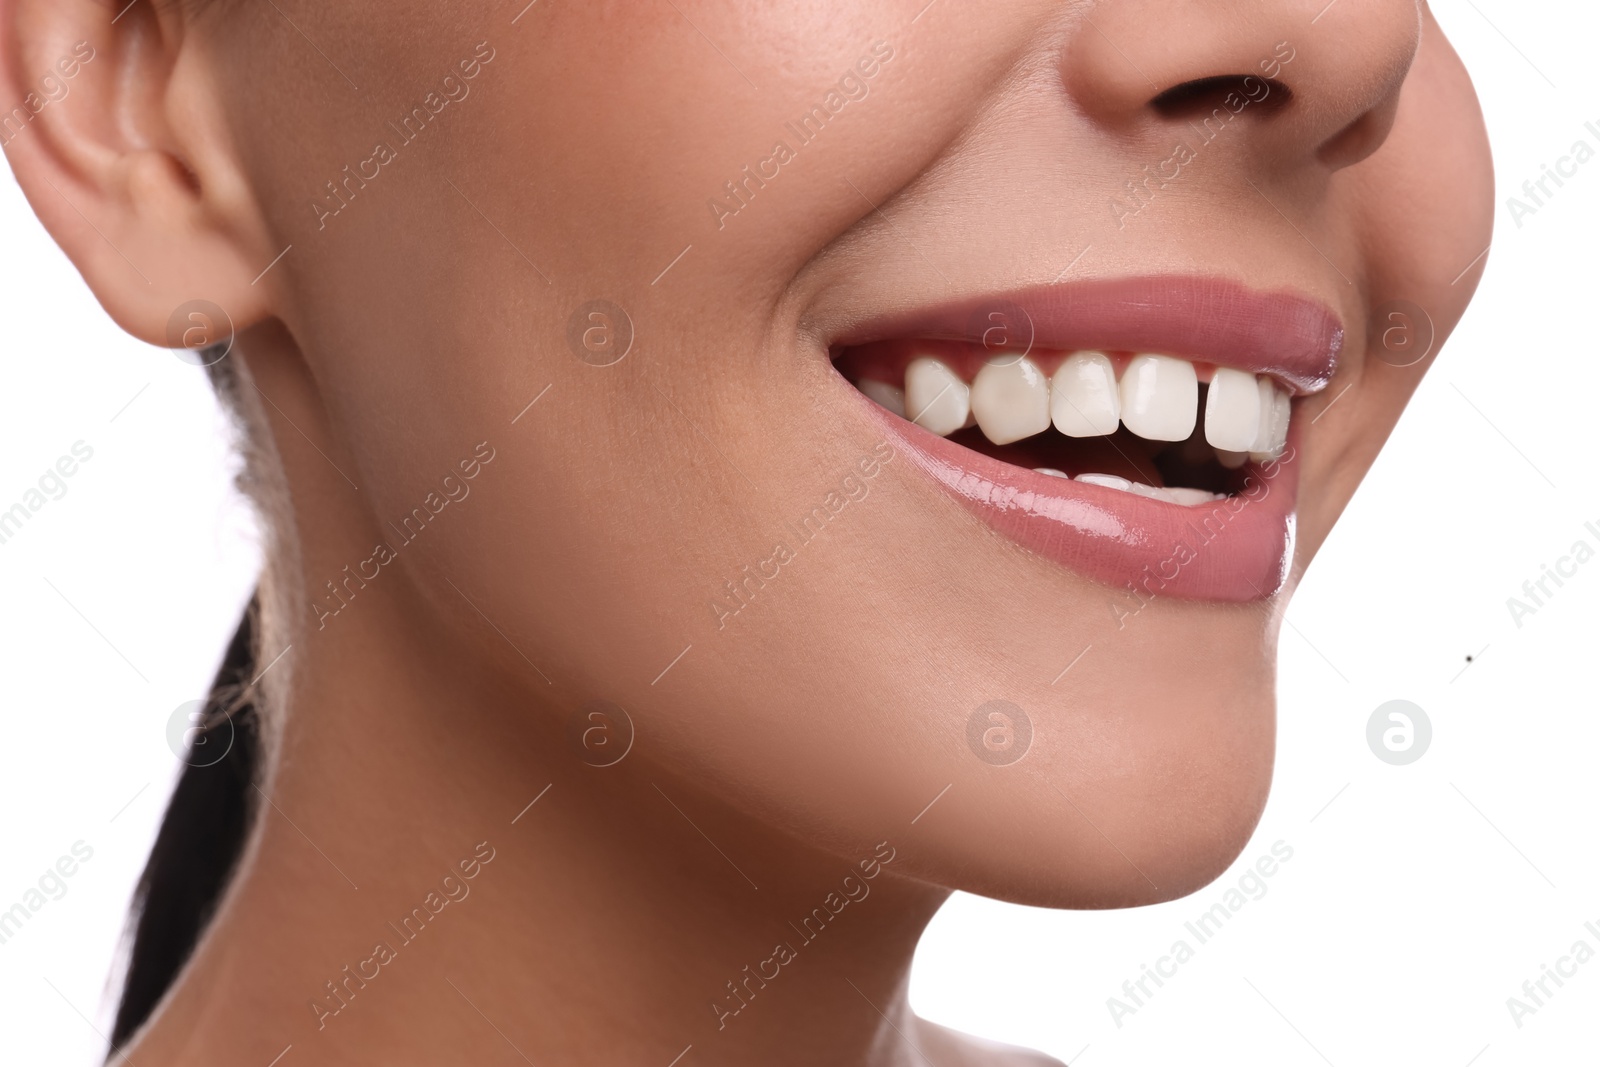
(1140, 431)
(1151, 424)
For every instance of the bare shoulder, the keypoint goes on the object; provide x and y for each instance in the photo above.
(951, 1048)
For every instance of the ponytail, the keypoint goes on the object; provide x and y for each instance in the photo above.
(201, 837)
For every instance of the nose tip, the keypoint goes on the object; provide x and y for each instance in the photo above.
(1324, 84)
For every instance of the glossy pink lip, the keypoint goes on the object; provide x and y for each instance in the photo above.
(1206, 320)
(1238, 549)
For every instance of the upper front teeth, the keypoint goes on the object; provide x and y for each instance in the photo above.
(1011, 399)
(1233, 410)
(1083, 396)
(936, 399)
(1159, 395)
(1156, 398)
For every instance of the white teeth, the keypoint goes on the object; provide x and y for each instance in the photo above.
(1191, 497)
(1151, 491)
(1233, 410)
(1280, 422)
(1274, 431)
(1232, 460)
(1159, 395)
(1246, 415)
(891, 398)
(935, 398)
(1264, 428)
(1110, 481)
(1011, 399)
(1177, 495)
(1083, 396)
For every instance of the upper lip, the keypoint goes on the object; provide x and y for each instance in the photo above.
(1284, 334)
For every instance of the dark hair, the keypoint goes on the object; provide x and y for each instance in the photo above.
(201, 837)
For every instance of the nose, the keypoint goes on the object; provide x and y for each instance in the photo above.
(1321, 83)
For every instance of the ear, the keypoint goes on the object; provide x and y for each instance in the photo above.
(109, 118)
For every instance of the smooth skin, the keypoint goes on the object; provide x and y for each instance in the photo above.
(783, 745)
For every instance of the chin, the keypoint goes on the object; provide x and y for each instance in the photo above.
(1120, 804)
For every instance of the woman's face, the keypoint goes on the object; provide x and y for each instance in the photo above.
(648, 251)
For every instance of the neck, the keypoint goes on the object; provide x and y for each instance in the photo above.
(437, 872)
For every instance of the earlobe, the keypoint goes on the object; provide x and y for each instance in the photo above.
(112, 129)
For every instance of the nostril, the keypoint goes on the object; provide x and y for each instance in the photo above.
(1231, 91)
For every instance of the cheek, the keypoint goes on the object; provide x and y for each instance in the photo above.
(1420, 248)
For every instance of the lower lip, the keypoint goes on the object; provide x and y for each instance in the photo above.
(1235, 550)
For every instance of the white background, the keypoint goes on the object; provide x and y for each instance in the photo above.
(1418, 899)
